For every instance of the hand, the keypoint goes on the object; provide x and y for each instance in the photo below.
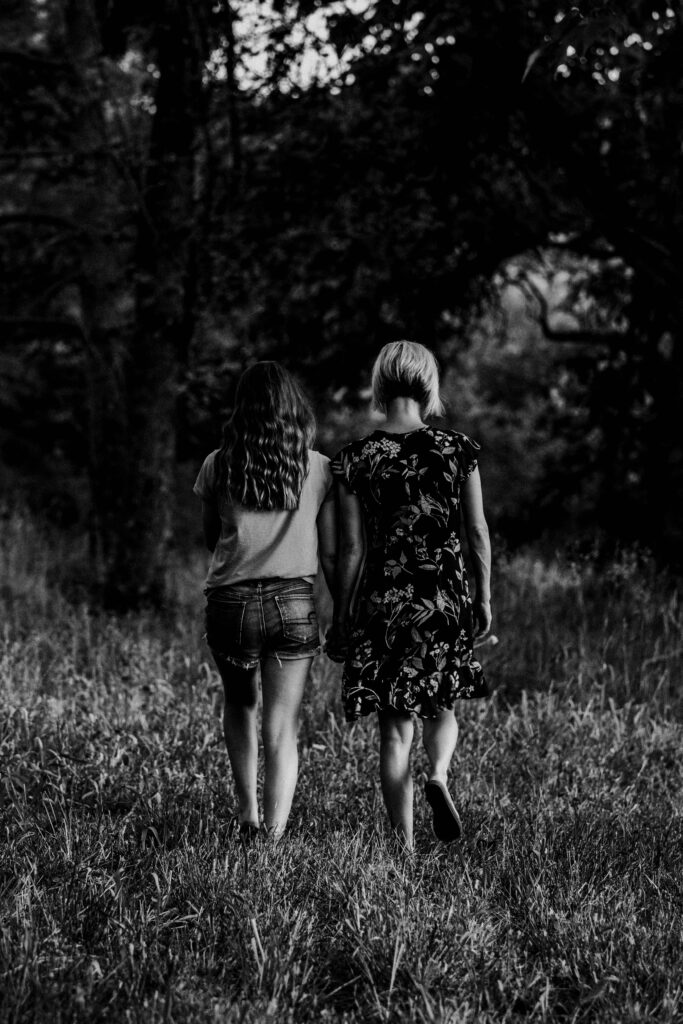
(340, 629)
(337, 641)
(482, 617)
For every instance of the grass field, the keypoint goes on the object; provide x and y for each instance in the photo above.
(125, 898)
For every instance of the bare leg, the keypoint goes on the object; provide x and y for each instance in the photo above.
(396, 736)
(440, 736)
(283, 689)
(241, 737)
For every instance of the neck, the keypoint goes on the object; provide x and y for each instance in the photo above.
(403, 414)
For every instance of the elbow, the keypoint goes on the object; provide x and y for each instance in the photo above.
(328, 560)
(479, 529)
(478, 535)
(350, 551)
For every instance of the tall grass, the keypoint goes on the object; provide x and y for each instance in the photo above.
(125, 897)
(584, 626)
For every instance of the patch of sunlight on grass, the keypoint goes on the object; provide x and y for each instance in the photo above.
(528, 570)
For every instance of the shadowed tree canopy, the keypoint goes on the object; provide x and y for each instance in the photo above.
(106, 110)
(312, 180)
(450, 141)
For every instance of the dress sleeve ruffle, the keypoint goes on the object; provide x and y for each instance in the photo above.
(342, 468)
(467, 455)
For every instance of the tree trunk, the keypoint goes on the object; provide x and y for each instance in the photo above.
(134, 379)
(663, 472)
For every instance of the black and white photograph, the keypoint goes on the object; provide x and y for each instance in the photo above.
(341, 512)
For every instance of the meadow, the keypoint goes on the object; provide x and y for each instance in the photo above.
(126, 897)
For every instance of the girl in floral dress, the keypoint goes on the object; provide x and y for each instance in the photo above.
(404, 615)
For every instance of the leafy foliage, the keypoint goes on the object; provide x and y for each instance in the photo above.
(347, 177)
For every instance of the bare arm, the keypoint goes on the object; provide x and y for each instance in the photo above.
(351, 548)
(480, 547)
(327, 541)
(211, 521)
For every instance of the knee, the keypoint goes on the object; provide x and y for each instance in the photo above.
(240, 704)
(394, 745)
(444, 721)
(278, 736)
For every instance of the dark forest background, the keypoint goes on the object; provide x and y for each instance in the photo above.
(188, 187)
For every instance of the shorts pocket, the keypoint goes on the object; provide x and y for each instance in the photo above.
(299, 620)
(224, 620)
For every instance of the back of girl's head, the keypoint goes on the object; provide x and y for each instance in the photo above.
(405, 369)
(264, 458)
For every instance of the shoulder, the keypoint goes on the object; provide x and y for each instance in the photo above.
(452, 441)
(458, 447)
(355, 447)
(210, 464)
(352, 453)
(318, 465)
(319, 472)
(351, 461)
(317, 459)
(364, 446)
(206, 478)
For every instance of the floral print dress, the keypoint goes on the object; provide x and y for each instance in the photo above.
(411, 641)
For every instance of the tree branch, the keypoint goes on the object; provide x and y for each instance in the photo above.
(657, 262)
(27, 57)
(615, 339)
(48, 327)
(52, 153)
(593, 246)
(49, 219)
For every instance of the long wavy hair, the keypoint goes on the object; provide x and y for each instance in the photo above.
(264, 458)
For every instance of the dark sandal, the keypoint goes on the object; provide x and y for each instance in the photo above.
(249, 832)
(446, 820)
(246, 830)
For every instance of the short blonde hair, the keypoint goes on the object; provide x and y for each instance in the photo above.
(408, 370)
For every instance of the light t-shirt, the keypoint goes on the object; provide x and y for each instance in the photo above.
(256, 544)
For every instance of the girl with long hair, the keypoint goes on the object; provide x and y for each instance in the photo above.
(408, 636)
(268, 517)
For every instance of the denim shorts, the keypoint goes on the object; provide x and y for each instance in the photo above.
(257, 619)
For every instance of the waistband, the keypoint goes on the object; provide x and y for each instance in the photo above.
(247, 589)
